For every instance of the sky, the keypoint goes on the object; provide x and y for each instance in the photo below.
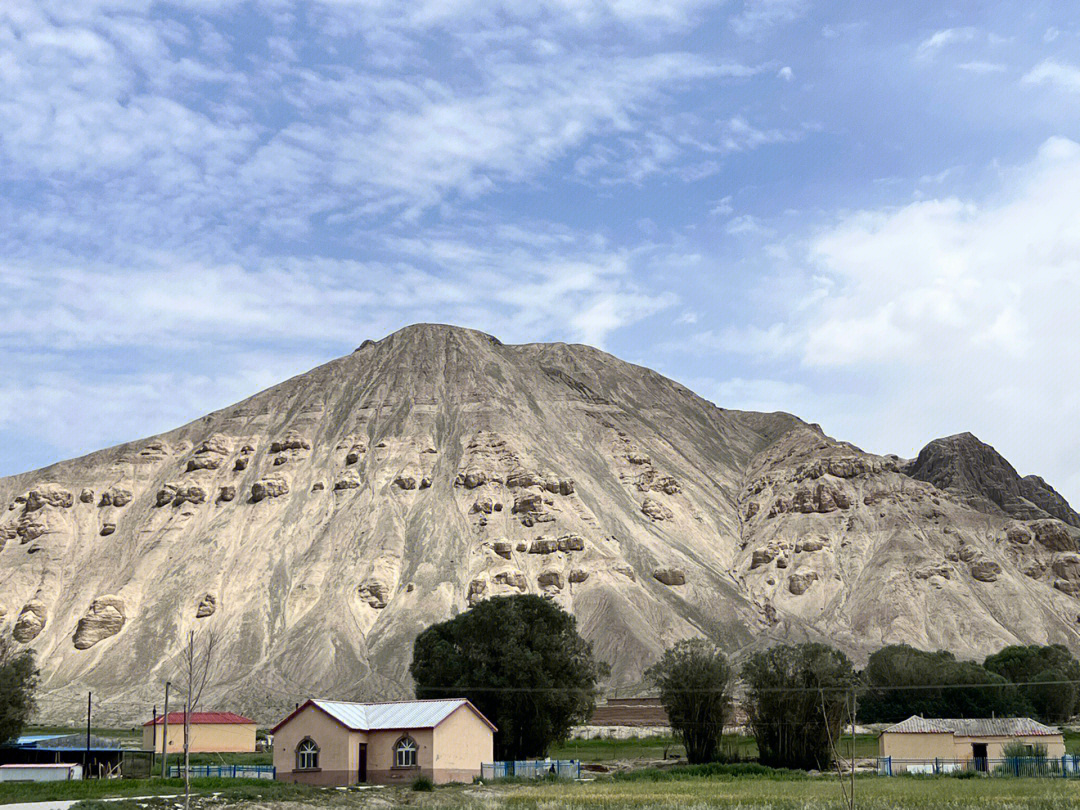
(866, 214)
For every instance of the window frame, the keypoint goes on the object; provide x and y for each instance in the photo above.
(400, 748)
(307, 748)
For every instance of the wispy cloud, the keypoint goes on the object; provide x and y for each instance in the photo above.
(1056, 74)
(945, 37)
(982, 67)
(758, 16)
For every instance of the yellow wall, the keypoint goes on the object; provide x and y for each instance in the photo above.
(205, 737)
(950, 746)
(451, 752)
(462, 742)
(338, 748)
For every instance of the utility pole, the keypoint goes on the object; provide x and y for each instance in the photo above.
(165, 734)
(853, 749)
(89, 697)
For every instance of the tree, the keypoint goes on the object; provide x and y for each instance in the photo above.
(1048, 675)
(797, 697)
(900, 681)
(694, 679)
(18, 685)
(194, 674)
(520, 661)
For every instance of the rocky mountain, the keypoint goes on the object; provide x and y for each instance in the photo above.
(316, 527)
(976, 472)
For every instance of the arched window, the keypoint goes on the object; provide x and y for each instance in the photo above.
(307, 755)
(405, 753)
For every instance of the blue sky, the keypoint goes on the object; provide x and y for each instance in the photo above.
(866, 214)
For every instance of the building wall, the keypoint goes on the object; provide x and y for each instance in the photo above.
(995, 746)
(452, 752)
(951, 747)
(205, 737)
(917, 746)
(338, 749)
(381, 744)
(462, 742)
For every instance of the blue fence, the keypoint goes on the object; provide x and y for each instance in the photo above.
(1066, 767)
(224, 771)
(531, 769)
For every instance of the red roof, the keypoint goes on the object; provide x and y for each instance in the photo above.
(197, 718)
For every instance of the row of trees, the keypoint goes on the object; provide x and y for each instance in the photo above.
(1036, 681)
(798, 698)
(520, 660)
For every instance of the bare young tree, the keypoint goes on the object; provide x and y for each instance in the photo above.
(194, 675)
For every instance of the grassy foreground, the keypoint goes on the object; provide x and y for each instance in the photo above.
(14, 792)
(734, 746)
(746, 792)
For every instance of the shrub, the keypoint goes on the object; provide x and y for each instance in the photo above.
(423, 784)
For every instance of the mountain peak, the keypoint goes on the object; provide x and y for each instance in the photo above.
(976, 472)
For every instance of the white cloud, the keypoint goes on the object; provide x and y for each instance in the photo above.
(982, 67)
(940, 39)
(785, 73)
(746, 224)
(959, 314)
(1057, 74)
(758, 16)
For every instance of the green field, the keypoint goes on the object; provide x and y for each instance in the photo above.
(734, 746)
(688, 793)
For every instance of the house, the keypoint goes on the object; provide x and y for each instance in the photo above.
(919, 744)
(330, 742)
(211, 732)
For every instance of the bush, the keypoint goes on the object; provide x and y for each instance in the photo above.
(423, 784)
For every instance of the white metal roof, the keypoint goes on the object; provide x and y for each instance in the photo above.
(974, 727)
(400, 714)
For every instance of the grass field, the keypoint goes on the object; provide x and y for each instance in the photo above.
(689, 793)
(13, 792)
(734, 747)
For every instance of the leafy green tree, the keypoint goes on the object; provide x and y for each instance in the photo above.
(521, 662)
(1038, 668)
(694, 679)
(797, 697)
(18, 685)
(900, 681)
(1052, 700)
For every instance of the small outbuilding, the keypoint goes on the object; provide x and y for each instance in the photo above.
(41, 772)
(330, 742)
(211, 732)
(920, 743)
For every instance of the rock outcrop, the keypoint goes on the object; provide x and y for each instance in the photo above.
(31, 621)
(105, 618)
(976, 473)
(273, 487)
(207, 606)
